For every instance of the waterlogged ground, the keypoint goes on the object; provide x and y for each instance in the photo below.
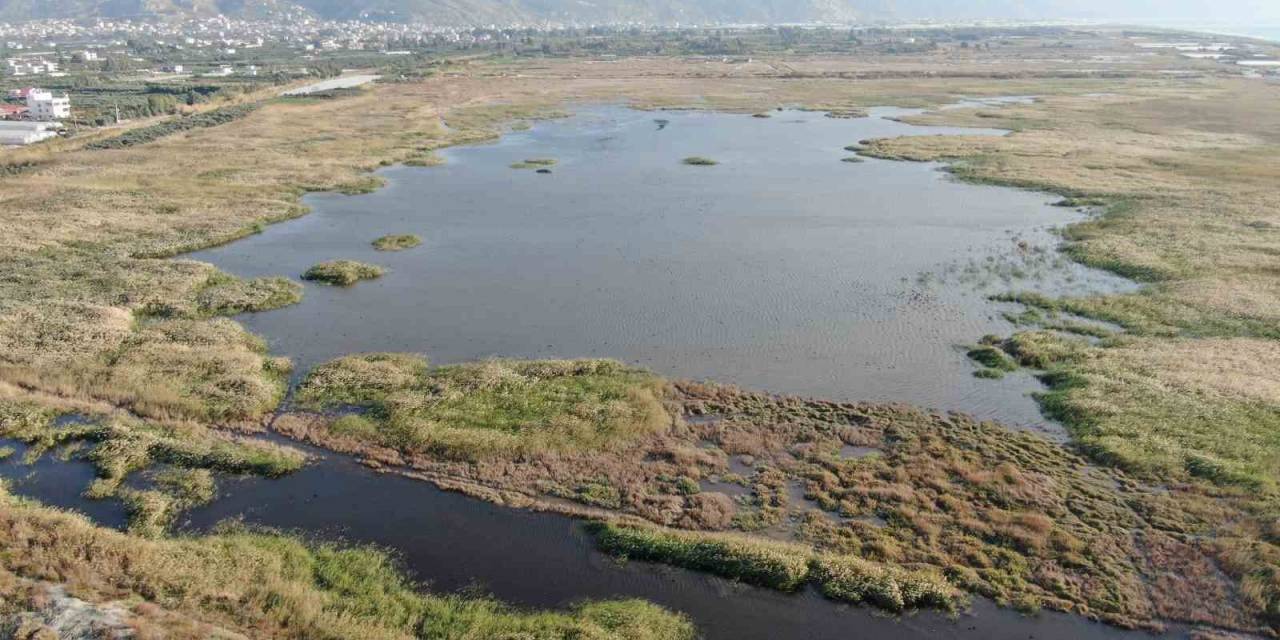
(781, 268)
(455, 543)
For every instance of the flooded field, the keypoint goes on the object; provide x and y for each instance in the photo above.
(780, 268)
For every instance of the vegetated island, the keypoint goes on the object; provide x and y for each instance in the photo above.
(535, 163)
(699, 161)
(342, 273)
(397, 242)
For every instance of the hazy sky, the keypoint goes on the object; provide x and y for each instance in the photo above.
(1238, 12)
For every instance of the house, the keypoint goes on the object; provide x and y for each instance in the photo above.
(221, 72)
(44, 106)
(25, 67)
(13, 112)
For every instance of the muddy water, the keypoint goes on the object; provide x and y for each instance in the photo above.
(782, 268)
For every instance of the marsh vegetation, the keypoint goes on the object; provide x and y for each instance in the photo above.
(242, 582)
(397, 242)
(486, 409)
(1165, 510)
(699, 161)
(343, 273)
(179, 459)
(535, 163)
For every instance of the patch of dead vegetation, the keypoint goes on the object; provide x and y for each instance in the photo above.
(1006, 515)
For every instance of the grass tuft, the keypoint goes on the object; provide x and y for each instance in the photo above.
(535, 163)
(397, 242)
(342, 273)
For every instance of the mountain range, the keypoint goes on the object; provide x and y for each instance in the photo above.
(480, 12)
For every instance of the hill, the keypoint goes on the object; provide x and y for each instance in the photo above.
(481, 12)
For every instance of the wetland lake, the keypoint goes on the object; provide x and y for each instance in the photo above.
(780, 268)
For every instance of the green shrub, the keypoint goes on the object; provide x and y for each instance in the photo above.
(992, 358)
(144, 135)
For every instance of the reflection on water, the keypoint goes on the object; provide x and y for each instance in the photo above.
(781, 268)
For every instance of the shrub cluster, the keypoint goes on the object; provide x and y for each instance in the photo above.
(144, 135)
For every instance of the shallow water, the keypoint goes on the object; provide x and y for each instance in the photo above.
(781, 269)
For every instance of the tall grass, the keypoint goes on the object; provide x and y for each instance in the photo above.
(782, 566)
(264, 584)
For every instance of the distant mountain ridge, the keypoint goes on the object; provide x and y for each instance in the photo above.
(480, 12)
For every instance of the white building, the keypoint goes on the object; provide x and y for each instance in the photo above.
(43, 106)
(221, 72)
(24, 67)
(22, 133)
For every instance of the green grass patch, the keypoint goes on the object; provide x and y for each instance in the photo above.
(225, 295)
(397, 242)
(991, 358)
(782, 566)
(488, 408)
(770, 564)
(342, 273)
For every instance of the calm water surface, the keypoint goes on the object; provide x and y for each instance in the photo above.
(781, 269)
